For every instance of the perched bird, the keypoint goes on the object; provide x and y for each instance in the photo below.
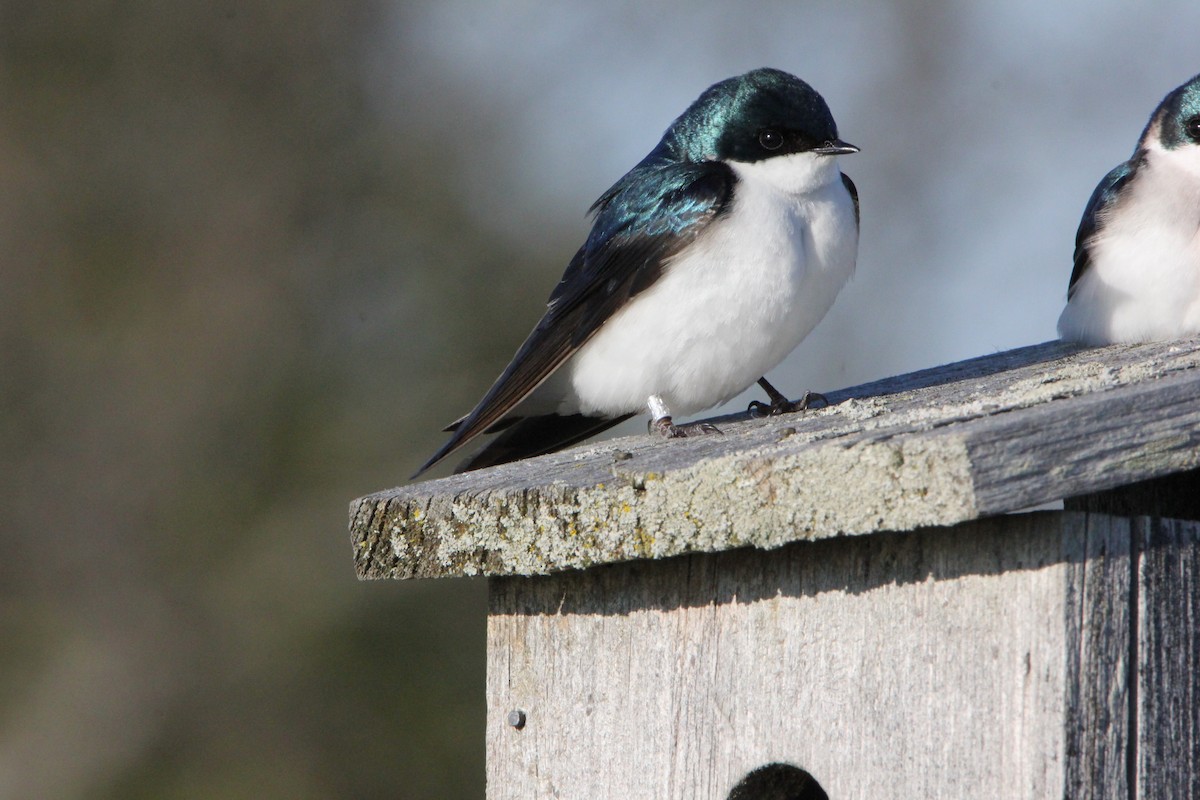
(707, 263)
(1137, 252)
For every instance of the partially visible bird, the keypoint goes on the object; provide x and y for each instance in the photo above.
(778, 781)
(1137, 251)
(707, 263)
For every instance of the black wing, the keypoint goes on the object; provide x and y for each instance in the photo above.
(1105, 195)
(643, 220)
(850, 187)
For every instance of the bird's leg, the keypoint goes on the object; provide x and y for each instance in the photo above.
(660, 421)
(780, 404)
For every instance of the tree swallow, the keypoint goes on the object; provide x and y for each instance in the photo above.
(707, 263)
(1137, 252)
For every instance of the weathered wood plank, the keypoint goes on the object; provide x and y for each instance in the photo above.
(1025, 656)
(1168, 611)
(942, 663)
(937, 447)
(1098, 722)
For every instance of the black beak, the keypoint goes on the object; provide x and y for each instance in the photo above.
(835, 148)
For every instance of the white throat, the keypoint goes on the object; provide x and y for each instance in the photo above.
(797, 173)
(1180, 165)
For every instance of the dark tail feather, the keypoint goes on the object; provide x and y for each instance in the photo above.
(456, 442)
(535, 436)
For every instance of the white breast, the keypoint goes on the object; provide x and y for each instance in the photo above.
(1143, 283)
(734, 304)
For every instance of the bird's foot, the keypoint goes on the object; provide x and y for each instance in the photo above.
(781, 405)
(669, 430)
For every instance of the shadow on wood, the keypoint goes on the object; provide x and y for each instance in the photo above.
(803, 569)
(1173, 496)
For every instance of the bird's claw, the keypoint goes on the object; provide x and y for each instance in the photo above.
(669, 430)
(784, 406)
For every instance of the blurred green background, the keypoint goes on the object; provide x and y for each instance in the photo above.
(212, 248)
(255, 255)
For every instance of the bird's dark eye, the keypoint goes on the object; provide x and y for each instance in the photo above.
(770, 139)
(1191, 126)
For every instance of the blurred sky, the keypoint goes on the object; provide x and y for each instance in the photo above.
(983, 128)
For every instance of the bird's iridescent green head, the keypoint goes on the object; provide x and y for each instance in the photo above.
(751, 117)
(1176, 121)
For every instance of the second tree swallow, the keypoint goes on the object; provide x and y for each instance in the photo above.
(1137, 252)
(706, 265)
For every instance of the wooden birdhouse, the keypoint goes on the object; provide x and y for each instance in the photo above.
(868, 592)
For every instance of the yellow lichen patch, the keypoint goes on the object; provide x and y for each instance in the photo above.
(643, 542)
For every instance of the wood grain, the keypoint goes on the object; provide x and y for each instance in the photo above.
(992, 659)
(1033, 655)
(1168, 657)
(1099, 716)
